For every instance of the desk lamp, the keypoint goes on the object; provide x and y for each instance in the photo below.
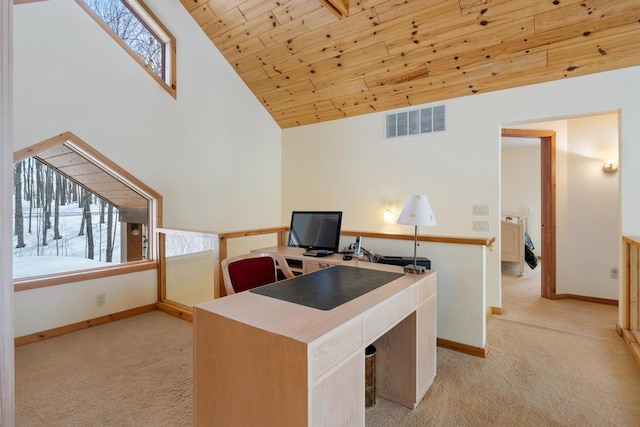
(416, 212)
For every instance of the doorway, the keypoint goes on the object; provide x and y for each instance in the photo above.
(547, 204)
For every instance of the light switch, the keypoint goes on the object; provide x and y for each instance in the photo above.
(480, 210)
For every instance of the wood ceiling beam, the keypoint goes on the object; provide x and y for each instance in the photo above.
(340, 8)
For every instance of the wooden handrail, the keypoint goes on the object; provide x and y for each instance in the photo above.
(221, 247)
(255, 232)
(223, 237)
(631, 315)
(481, 241)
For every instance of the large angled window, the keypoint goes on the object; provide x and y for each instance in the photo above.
(140, 33)
(74, 210)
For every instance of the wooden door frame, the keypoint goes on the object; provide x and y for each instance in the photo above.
(548, 203)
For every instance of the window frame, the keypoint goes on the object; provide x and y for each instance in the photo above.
(71, 141)
(157, 29)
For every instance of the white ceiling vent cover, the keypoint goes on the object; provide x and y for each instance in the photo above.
(416, 122)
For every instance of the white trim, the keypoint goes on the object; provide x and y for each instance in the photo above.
(7, 380)
(151, 22)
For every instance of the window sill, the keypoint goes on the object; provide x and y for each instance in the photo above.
(27, 283)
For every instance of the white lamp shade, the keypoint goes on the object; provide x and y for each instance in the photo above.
(417, 211)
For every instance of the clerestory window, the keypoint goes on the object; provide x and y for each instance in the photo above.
(140, 33)
(74, 210)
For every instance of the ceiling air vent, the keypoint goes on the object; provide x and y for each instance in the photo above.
(416, 122)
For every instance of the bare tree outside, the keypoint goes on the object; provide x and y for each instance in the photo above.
(18, 219)
(56, 215)
(103, 206)
(29, 190)
(48, 199)
(110, 239)
(82, 204)
(125, 23)
(86, 196)
(39, 185)
(45, 194)
(73, 190)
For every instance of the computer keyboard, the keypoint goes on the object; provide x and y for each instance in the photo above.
(318, 252)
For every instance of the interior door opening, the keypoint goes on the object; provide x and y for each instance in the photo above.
(547, 204)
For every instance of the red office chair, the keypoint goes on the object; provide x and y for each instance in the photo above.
(250, 271)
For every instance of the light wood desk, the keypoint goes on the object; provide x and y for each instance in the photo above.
(301, 264)
(262, 361)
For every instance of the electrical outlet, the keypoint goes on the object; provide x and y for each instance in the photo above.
(614, 273)
(100, 300)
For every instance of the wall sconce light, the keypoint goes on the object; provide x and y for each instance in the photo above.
(135, 230)
(390, 214)
(610, 166)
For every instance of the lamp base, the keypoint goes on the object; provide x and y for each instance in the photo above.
(414, 269)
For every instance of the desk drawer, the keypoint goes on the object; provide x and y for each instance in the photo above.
(311, 266)
(387, 313)
(333, 348)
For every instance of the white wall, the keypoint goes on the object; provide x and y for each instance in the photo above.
(213, 153)
(40, 309)
(521, 187)
(593, 208)
(361, 171)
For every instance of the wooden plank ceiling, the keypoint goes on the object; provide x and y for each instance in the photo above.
(308, 65)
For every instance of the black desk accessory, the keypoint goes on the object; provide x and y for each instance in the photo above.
(329, 287)
(317, 252)
(403, 261)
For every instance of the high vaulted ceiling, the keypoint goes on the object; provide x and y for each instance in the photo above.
(307, 65)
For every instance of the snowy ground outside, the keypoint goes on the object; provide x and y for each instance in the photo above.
(67, 253)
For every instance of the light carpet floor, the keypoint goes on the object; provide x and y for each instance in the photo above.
(550, 363)
(133, 372)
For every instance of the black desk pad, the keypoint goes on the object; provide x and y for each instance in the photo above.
(328, 288)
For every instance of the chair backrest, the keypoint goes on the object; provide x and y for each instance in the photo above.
(250, 271)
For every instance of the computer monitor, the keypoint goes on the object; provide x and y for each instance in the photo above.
(315, 230)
